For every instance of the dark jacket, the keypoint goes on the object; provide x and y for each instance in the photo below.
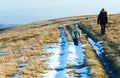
(102, 18)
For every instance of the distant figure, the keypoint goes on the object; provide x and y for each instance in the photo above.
(76, 34)
(86, 20)
(102, 20)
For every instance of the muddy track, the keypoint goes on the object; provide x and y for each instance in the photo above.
(99, 50)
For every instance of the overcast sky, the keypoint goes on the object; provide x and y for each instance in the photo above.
(56, 8)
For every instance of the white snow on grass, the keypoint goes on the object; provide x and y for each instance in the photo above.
(58, 61)
(83, 72)
(76, 58)
(76, 54)
(49, 74)
(53, 60)
(62, 55)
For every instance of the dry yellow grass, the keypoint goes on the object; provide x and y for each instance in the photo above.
(23, 40)
(20, 43)
(8, 69)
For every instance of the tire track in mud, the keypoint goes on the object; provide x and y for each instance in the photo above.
(66, 60)
(99, 50)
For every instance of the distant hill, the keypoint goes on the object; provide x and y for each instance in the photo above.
(6, 25)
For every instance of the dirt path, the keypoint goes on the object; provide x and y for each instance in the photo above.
(67, 60)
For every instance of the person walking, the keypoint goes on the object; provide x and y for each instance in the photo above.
(76, 34)
(102, 20)
(86, 20)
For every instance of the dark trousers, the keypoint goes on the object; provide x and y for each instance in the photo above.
(103, 26)
(75, 41)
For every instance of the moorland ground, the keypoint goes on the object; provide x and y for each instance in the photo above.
(18, 45)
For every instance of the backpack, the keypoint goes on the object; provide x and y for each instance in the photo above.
(76, 34)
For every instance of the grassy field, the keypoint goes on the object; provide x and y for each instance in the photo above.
(24, 45)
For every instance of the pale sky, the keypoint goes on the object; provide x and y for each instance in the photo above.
(56, 8)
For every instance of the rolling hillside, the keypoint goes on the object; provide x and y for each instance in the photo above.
(23, 52)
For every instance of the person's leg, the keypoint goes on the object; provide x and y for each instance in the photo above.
(104, 26)
(102, 29)
(75, 41)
